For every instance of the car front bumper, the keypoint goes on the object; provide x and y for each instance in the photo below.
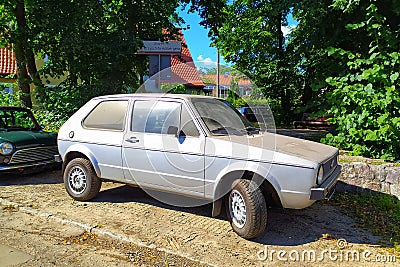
(327, 188)
(21, 167)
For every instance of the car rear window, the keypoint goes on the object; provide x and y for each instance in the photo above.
(107, 115)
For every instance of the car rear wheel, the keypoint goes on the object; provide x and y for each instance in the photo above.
(247, 210)
(80, 180)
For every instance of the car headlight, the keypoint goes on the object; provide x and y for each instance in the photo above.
(320, 175)
(6, 148)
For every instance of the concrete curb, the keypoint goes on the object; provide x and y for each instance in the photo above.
(97, 231)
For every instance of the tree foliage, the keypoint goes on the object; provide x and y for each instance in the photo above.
(92, 43)
(251, 37)
(16, 35)
(365, 102)
(340, 59)
(96, 42)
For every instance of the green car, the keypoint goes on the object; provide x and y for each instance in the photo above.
(23, 143)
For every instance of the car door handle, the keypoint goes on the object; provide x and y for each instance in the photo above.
(132, 140)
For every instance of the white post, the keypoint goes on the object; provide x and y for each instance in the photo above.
(218, 91)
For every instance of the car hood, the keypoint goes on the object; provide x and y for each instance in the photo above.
(286, 149)
(25, 138)
(301, 148)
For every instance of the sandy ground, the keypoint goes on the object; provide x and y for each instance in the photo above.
(123, 226)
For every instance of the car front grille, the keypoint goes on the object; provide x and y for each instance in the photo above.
(330, 165)
(34, 154)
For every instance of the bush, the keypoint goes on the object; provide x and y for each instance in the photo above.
(51, 121)
(10, 99)
(365, 102)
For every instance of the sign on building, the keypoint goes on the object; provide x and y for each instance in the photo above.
(161, 48)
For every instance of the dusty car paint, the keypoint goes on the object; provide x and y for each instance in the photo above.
(296, 160)
(291, 172)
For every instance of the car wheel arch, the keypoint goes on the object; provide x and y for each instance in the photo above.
(268, 186)
(73, 154)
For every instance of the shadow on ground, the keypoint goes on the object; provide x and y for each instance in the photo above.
(51, 176)
(126, 193)
(285, 227)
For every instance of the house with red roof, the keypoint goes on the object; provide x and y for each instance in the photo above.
(226, 80)
(173, 67)
(184, 69)
(8, 69)
(181, 66)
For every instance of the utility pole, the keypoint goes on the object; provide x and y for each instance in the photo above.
(218, 91)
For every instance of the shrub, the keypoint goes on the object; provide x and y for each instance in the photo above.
(365, 102)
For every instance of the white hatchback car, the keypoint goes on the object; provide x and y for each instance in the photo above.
(193, 146)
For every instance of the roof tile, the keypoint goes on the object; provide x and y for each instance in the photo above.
(225, 79)
(8, 64)
(183, 68)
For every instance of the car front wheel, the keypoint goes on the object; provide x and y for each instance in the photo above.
(80, 180)
(247, 210)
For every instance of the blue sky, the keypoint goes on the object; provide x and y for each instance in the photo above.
(198, 41)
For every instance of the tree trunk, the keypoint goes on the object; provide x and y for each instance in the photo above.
(307, 91)
(307, 94)
(32, 69)
(28, 52)
(23, 78)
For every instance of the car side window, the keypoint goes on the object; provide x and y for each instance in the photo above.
(16, 119)
(107, 115)
(187, 125)
(155, 116)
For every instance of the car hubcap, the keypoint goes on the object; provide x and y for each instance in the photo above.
(238, 209)
(77, 180)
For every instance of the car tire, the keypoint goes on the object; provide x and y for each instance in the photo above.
(80, 180)
(247, 209)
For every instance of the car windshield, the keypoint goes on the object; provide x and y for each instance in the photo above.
(15, 119)
(221, 118)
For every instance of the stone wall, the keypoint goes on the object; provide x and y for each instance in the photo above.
(359, 176)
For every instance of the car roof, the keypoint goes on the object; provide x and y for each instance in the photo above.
(154, 95)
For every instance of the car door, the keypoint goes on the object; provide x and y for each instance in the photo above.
(164, 148)
(102, 132)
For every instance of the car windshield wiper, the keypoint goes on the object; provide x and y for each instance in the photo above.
(226, 130)
(250, 130)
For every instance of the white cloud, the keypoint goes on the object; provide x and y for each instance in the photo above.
(206, 61)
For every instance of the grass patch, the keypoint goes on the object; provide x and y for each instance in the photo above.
(376, 212)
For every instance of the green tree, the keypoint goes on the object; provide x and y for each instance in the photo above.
(293, 68)
(93, 42)
(16, 34)
(365, 101)
(96, 42)
(320, 26)
(252, 38)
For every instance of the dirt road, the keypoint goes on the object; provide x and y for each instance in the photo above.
(123, 226)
